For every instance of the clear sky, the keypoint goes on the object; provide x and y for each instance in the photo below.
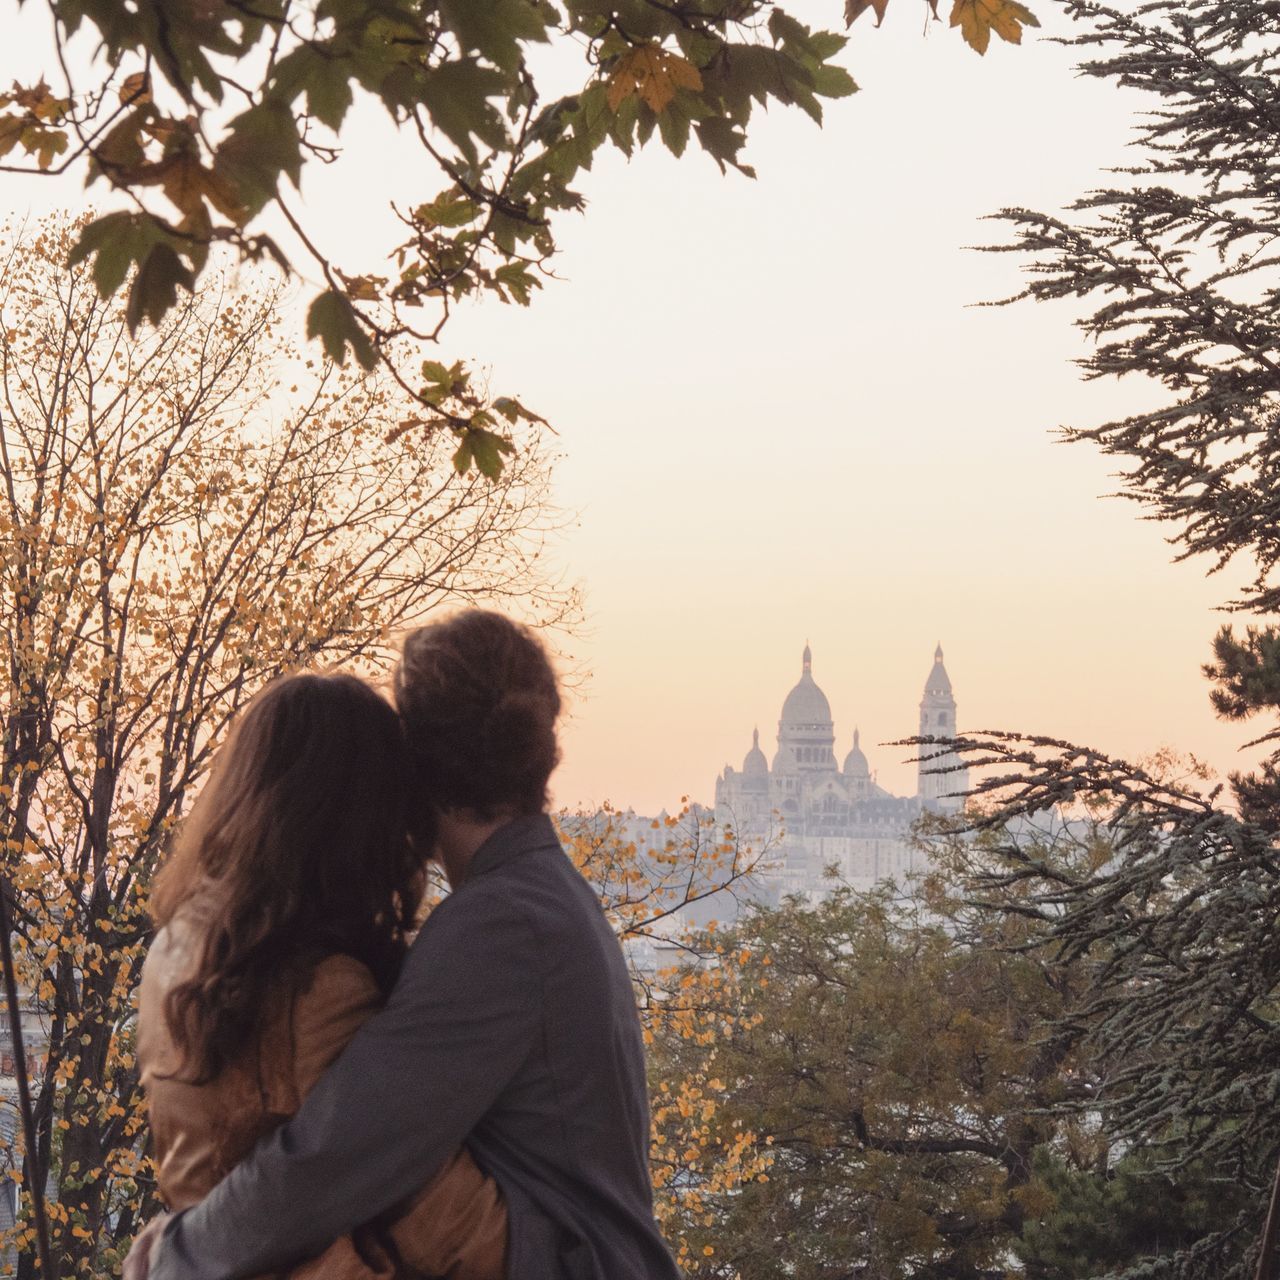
(784, 420)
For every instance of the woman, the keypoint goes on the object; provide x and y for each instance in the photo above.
(284, 914)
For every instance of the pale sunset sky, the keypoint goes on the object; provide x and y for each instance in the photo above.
(783, 419)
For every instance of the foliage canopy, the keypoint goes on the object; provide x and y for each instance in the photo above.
(206, 115)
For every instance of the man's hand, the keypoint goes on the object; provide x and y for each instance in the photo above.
(138, 1264)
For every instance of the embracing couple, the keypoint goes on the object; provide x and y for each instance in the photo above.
(334, 1100)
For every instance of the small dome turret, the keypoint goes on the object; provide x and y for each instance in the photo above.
(855, 763)
(754, 764)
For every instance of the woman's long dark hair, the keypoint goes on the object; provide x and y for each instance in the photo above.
(297, 848)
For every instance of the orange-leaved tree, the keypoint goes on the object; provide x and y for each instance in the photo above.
(649, 875)
(184, 515)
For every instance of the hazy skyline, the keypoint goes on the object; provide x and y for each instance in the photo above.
(783, 420)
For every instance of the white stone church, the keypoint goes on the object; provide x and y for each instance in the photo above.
(814, 814)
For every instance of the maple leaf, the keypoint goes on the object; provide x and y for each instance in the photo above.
(977, 19)
(11, 131)
(363, 288)
(854, 9)
(655, 74)
(135, 89)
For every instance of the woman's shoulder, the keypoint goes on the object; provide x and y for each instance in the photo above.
(338, 996)
(174, 951)
(338, 979)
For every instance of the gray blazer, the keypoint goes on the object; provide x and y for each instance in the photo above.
(514, 1027)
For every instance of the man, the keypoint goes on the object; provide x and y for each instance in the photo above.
(513, 1025)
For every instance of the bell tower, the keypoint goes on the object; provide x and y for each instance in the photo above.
(938, 720)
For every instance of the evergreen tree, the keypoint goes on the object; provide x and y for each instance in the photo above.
(1176, 262)
(1103, 1218)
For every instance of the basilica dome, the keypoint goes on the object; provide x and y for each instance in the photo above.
(806, 703)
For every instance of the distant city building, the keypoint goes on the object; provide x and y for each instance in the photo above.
(816, 815)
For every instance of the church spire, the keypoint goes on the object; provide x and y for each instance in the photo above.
(939, 683)
(807, 659)
(938, 720)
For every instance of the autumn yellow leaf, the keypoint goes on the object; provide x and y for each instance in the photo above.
(977, 19)
(655, 74)
(363, 288)
(38, 101)
(135, 89)
(186, 183)
(854, 9)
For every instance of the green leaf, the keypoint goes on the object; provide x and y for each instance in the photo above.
(263, 144)
(833, 82)
(463, 457)
(333, 320)
(456, 96)
(623, 127)
(784, 29)
(723, 140)
(488, 449)
(511, 409)
(449, 209)
(495, 28)
(437, 373)
(826, 44)
(484, 448)
(673, 124)
(518, 280)
(155, 288)
(117, 240)
(328, 90)
(593, 107)
(443, 381)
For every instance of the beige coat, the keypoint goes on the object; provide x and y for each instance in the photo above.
(456, 1227)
